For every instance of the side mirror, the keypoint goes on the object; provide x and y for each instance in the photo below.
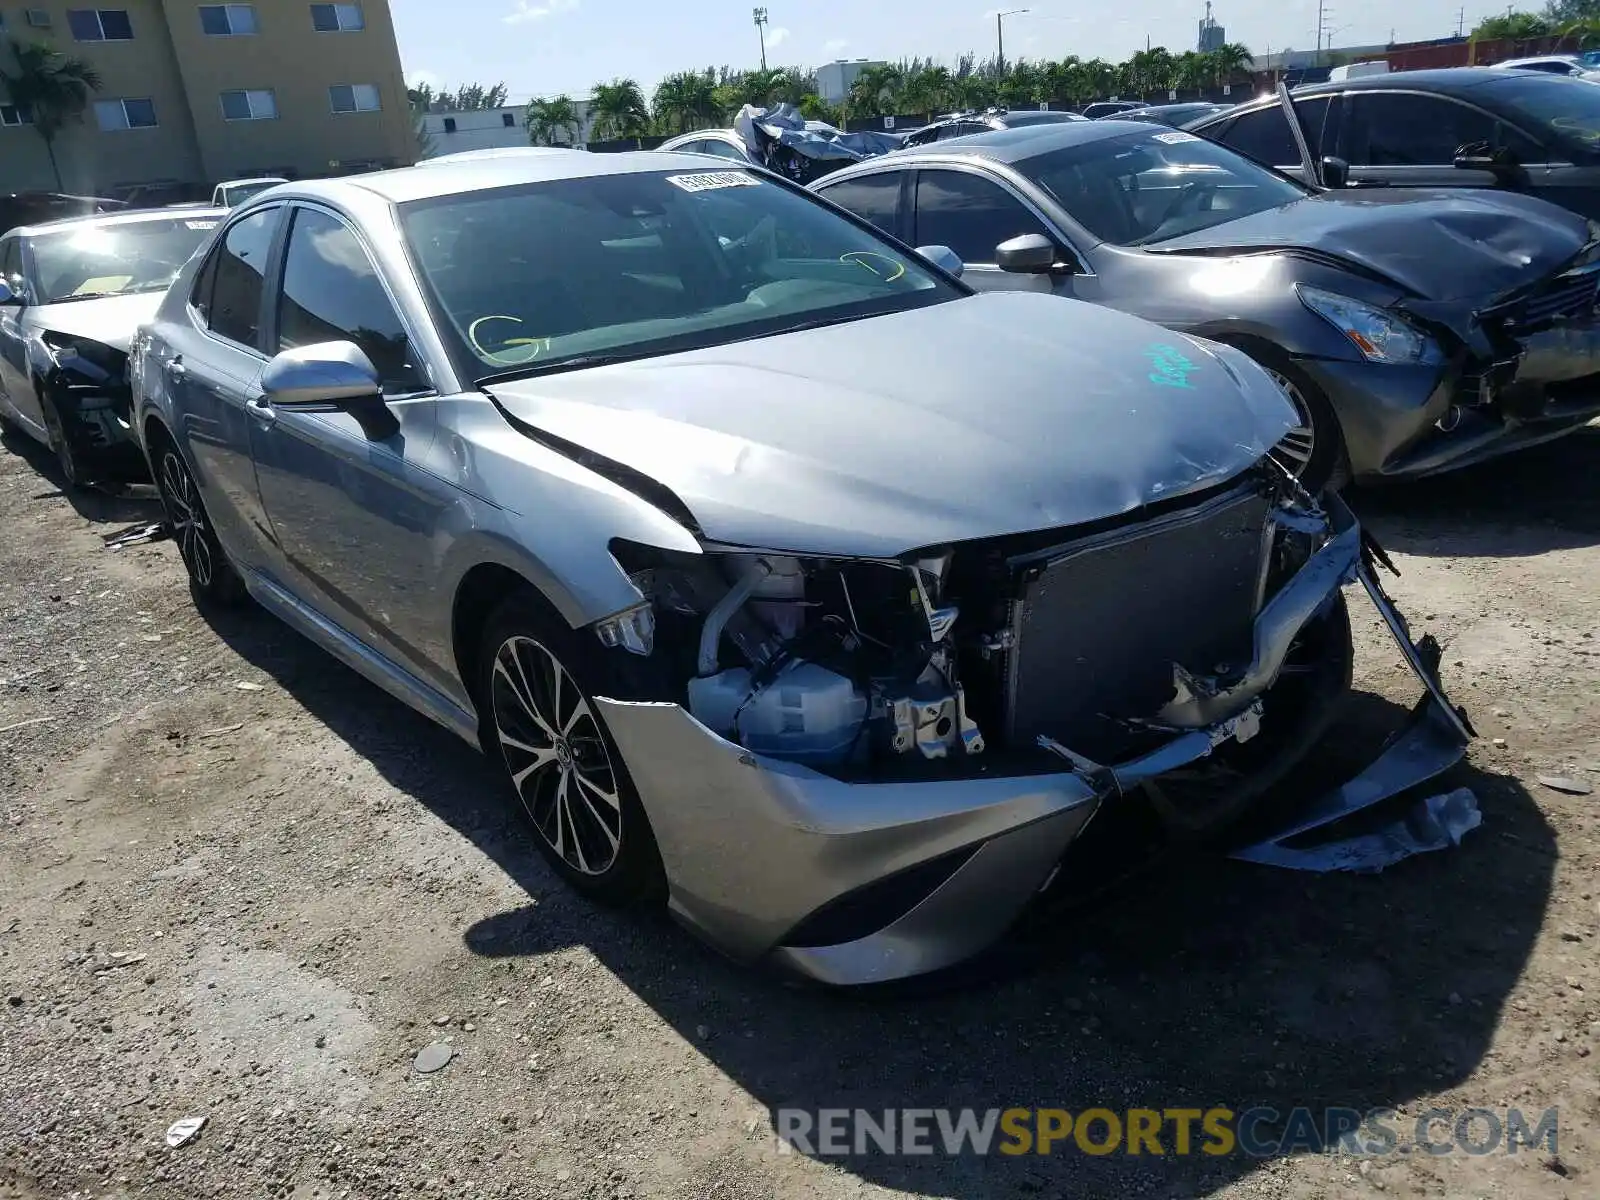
(1027, 254)
(7, 296)
(1335, 172)
(324, 377)
(944, 258)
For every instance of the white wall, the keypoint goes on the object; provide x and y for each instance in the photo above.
(488, 130)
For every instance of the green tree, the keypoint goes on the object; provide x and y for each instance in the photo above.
(685, 101)
(469, 97)
(553, 122)
(876, 91)
(619, 110)
(52, 88)
(1517, 25)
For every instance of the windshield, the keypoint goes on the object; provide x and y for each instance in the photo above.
(1141, 188)
(1567, 109)
(635, 264)
(90, 261)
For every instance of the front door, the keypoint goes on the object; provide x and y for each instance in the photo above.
(1411, 139)
(355, 515)
(972, 214)
(15, 390)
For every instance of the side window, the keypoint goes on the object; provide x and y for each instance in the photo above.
(240, 266)
(1264, 135)
(205, 281)
(1398, 129)
(722, 150)
(970, 214)
(696, 147)
(331, 293)
(11, 260)
(874, 198)
(961, 129)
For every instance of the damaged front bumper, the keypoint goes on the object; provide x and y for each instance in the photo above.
(1408, 422)
(856, 883)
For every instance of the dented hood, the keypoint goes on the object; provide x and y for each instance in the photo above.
(111, 321)
(1440, 245)
(992, 414)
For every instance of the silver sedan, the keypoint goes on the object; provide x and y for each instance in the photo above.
(790, 581)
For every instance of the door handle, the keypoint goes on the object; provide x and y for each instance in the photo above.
(261, 409)
(176, 371)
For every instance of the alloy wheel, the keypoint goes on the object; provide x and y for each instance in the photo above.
(188, 517)
(557, 756)
(66, 458)
(1299, 445)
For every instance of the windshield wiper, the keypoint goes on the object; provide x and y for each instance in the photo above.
(84, 296)
(557, 366)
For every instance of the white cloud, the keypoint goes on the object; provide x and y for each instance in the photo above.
(424, 78)
(776, 36)
(537, 10)
(836, 46)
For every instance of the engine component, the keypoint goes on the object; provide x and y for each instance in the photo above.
(717, 618)
(931, 718)
(808, 713)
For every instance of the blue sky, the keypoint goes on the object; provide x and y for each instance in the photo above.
(543, 47)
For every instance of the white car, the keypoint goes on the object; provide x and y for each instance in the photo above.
(233, 192)
(1553, 64)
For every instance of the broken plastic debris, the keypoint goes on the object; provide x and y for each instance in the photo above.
(432, 1057)
(185, 1130)
(1433, 824)
(1564, 783)
(244, 685)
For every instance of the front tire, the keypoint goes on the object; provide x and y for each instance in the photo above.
(69, 459)
(536, 680)
(212, 579)
(1313, 451)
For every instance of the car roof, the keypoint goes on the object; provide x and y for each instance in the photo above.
(233, 183)
(1024, 141)
(1445, 79)
(406, 184)
(137, 216)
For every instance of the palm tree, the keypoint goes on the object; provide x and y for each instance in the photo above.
(52, 88)
(619, 110)
(1231, 59)
(685, 101)
(875, 91)
(547, 118)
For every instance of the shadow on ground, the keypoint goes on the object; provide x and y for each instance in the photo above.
(110, 505)
(1523, 504)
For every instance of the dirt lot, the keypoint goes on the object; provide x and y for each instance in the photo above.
(238, 881)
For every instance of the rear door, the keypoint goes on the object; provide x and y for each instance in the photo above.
(878, 198)
(212, 373)
(1411, 139)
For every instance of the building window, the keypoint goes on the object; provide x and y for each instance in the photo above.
(509, 120)
(15, 114)
(38, 18)
(125, 114)
(252, 105)
(228, 20)
(337, 18)
(449, 124)
(354, 97)
(99, 24)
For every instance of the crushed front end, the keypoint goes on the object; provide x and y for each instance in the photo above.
(1525, 369)
(88, 384)
(873, 768)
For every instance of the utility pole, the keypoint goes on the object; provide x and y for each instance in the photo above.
(761, 28)
(1461, 22)
(1000, 37)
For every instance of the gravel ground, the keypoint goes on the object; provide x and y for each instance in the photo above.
(237, 881)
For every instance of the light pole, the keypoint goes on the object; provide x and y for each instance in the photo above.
(1000, 36)
(761, 23)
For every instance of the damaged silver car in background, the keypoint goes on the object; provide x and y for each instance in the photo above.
(72, 293)
(789, 579)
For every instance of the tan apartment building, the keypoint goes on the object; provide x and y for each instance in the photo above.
(197, 93)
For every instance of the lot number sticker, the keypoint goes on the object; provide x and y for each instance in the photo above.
(1176, 136)
(711, 180)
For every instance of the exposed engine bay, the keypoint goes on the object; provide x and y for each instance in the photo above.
(953, 654)
(88, 383)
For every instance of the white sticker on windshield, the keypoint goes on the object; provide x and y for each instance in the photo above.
(708, 180)
(201, 224)
(1172, 137)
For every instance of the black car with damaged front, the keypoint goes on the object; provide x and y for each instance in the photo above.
(73, 294)
(1415, 331)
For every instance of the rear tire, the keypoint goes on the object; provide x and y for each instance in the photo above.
(536, 679)
(212, 579)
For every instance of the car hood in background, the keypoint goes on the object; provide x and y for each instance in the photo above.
(992, 414)
(111, 321)
(1441, 245)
